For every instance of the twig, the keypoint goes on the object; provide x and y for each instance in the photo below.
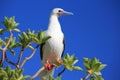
(60, 73)
(37, 73)
(29, 57)
(5, 48)
(14, 64)
(20, 56)
(85, 78)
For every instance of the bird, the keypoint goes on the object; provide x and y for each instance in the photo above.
(52, 50)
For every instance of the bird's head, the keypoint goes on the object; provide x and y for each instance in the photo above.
(60, 12)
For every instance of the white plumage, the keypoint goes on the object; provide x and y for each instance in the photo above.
(52, 49)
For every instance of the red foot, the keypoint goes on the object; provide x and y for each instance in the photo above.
(60, 61)
(49, 66)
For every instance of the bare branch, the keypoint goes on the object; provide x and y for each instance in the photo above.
(5, 48)
(37, 73)
(29, 57)
(85, 78)
(14, 64)
(3, 57)
(60, 73)
(20, 56)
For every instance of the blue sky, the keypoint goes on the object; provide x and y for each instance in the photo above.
(93, 30)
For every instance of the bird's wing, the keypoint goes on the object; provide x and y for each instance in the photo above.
(42, 46)
(41, 50)
(63, 47)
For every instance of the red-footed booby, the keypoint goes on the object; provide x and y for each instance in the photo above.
(52, 50)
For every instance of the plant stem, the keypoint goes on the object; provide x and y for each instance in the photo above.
(29, 57)
(60, 73)
(37, 73)
(5, 48)
(20, 56)
(14, 64)
(85, 78)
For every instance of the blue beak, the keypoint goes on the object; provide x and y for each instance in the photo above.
(67, 13)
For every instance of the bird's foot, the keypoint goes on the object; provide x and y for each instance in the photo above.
(60, 61)
(49, 66)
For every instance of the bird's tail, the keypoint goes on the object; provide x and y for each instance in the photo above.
(44, 75)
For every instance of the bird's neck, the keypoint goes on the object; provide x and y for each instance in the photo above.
(54, 23)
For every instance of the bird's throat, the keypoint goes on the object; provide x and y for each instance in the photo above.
(54, 23)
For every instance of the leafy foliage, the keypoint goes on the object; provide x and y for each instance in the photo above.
(1, 42)
(52, 78)
(10, 24)
(26, 38)
(94, 67)
(2, 31)
(41, 37)
(70, 61)
(11, 74)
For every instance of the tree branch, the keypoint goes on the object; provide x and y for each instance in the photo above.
(14, 64)
(85, 78)
(20, 56)
(5, 48)
(60, 73)
(37, 73)
(29, 57)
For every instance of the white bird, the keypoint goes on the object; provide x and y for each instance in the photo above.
(53, 48)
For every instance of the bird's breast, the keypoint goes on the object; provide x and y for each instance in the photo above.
(53, 47)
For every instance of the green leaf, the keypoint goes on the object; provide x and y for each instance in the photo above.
(58, 78)
(12, 74)
(45, 38)
(69, 62)
(92, 78)
(8, 69)
(75, 61)
(1, 42)
(50, 78)
(96, 67)
(25, 35)
(98, 73)
(69, 67)
(99, 78)
(20, 37)
(12, 43)
(93, 62)
(12, 52)
(86, 63)
(16, 30)
(36, 39)
(77, 68)
(25, 77)
(16, 45)
(57, 63)
(2, 31)
(10, 23)
(30, 47)
(102, 66)
(6, 40)
(67, 56)
(41, 37)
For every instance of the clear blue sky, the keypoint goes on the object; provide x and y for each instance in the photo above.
(93, 30)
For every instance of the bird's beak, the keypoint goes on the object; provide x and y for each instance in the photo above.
(66, 13)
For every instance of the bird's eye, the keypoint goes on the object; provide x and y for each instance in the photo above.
(59, 10)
